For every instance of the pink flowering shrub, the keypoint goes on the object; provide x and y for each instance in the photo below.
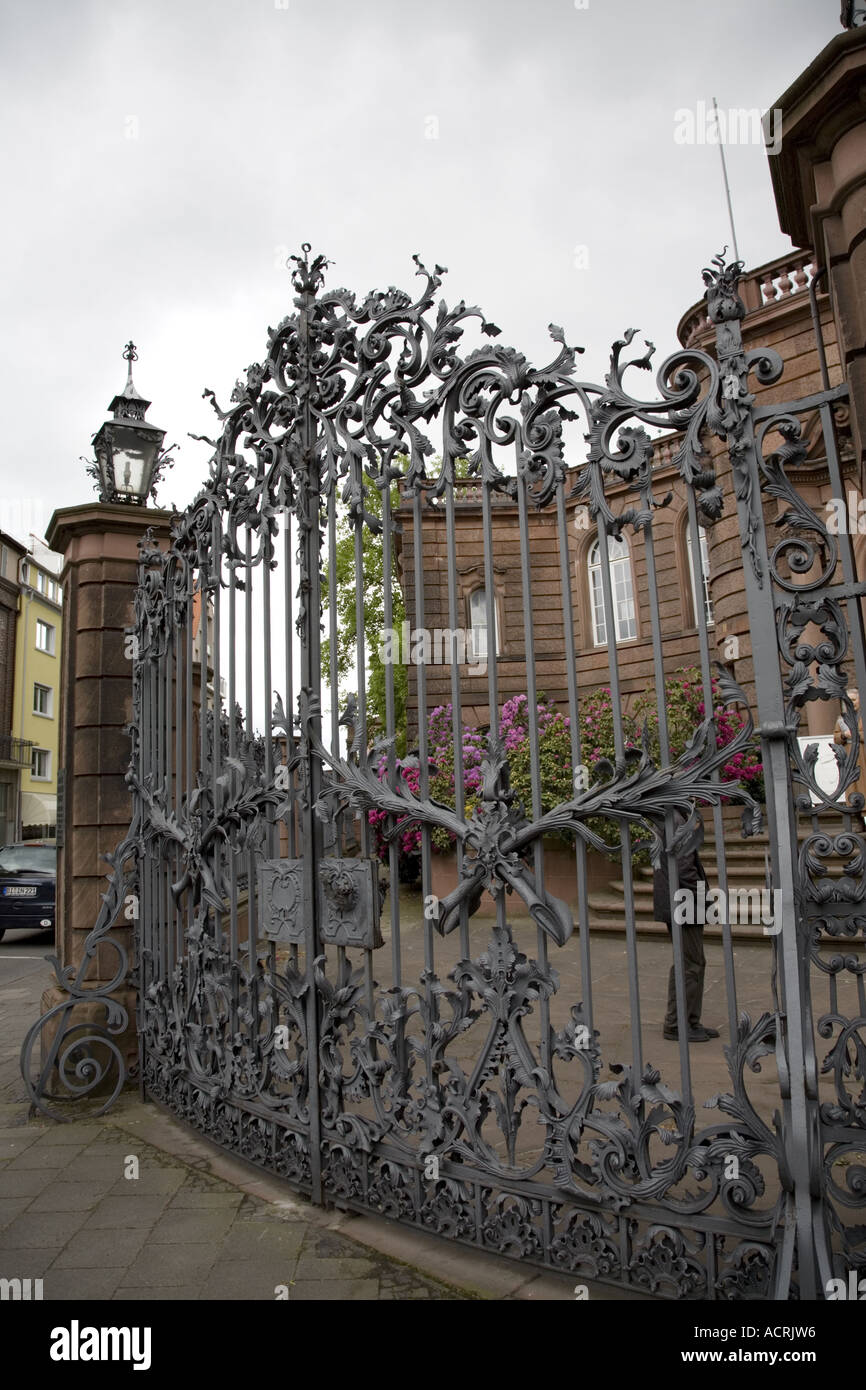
(685, 708)
(684, 700)
(409, 842)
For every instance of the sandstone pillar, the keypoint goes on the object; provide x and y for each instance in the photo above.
(99, 542)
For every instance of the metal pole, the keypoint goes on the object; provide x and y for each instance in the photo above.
(725, 177)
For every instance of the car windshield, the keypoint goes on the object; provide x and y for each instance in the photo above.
(38, 858)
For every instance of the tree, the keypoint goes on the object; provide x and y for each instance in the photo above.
(372, 579)
(372, 562)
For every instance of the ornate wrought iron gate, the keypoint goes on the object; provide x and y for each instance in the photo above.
(396, 1051)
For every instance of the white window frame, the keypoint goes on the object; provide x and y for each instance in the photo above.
(48, 712)
(477, 648)
(52, 636)
(625, 615)
(40, 776)
(705, 575)
(46, 585)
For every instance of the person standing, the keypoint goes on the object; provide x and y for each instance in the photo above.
(690, 871)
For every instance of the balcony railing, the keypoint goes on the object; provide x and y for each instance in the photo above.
(15, 750)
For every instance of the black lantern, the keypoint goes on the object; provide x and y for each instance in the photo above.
(129, 453)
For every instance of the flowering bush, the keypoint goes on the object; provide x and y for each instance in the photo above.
(554, 752)
(409, 842)
(684, 700)
(554, 756)
(685, 710)
(442, 783)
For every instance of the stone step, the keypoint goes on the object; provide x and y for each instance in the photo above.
(752, 873)
(642, 890)
(646, 927)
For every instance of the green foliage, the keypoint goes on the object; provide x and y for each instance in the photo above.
(597, 742)
(372, 572)
(554, 761)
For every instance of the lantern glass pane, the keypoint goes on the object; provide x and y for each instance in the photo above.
(132, 461)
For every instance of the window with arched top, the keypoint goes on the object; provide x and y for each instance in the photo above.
(700, 582)
(478, 625)
(622, 590)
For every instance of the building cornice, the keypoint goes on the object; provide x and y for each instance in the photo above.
(821, 105)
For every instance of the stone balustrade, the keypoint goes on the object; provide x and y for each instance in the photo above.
(768, 284)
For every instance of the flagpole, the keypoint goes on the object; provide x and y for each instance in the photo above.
(725, 177)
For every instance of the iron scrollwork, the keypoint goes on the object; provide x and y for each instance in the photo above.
(366, 1084)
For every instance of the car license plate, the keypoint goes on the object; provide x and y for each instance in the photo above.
(17, 891)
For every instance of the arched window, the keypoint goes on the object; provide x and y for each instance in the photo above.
(700, 583)
(622, 590)
(478, 624)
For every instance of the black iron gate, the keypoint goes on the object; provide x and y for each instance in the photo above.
(454, 1054)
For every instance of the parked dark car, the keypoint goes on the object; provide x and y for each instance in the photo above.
(28, 880)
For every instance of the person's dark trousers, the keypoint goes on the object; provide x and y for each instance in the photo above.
(694, 964)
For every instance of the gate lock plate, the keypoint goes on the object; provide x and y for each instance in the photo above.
(350, 902)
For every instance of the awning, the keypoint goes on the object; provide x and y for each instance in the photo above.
(38, 808)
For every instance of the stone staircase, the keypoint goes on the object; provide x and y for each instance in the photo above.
(745, 864)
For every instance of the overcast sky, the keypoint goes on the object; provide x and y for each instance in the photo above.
(162, 158)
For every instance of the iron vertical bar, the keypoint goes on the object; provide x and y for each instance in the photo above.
(534, 750)
(454, 625)
(816, 325)
(625, 836)
(290, 677)
(709, 709)
(492, 660)
(333, 631)
(271, 833)
(334, 678)
(169, 790)
(249, 731)
(190, 728)
(216, 562)
(390, 719)
(159, 768)
(800, 1121)
(147, 972)
(308, 510)
(423, 775)
(361, 662)
(233, 752)
(179, 675)
(576, 748)
(664, 759)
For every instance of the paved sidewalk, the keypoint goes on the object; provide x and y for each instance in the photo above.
(195, 1223)
(70, 1216)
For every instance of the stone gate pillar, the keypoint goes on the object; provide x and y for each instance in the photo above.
(99, 542)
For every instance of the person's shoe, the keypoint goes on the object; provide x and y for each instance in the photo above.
(710, 1032)
(698, 1034)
